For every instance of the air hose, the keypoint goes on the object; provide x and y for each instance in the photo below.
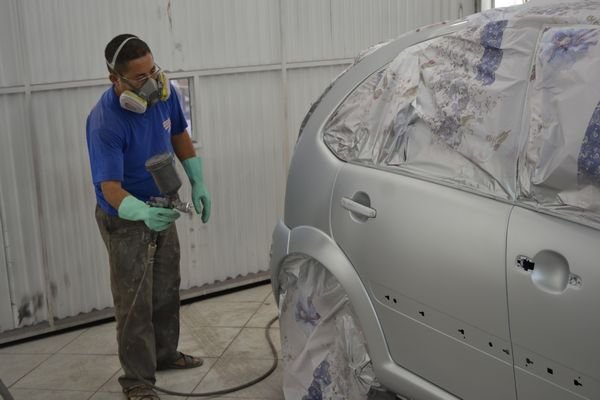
(150, 263)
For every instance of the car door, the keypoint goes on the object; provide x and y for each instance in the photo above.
(421, 208)
(432, 258)
(553, 272)
(553, 267)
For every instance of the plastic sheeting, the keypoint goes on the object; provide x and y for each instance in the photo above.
(508, 107)
(324, 350)
(560, 164)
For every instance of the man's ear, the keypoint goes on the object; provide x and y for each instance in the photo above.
(113, 77)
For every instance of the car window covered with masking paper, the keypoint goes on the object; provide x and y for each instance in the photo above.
(506, 108)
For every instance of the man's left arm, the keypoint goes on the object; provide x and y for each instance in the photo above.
(183, 146)
(184, 150)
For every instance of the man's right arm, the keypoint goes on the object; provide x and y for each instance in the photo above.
(113, 193)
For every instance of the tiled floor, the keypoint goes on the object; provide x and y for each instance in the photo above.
(227, 331)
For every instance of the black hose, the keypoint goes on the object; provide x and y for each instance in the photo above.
(151, 252)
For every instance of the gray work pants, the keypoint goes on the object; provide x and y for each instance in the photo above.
(152, 330)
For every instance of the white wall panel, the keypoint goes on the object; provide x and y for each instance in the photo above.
(329, 29)
(9, 66)
(225, 33)
(77, 263)
(66, 38)
(308, 28)
(241, 131)
(23, 258)
(305, 86)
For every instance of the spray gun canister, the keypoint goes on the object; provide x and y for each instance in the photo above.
(162, 169)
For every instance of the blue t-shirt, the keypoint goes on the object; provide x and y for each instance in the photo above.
(120, 141)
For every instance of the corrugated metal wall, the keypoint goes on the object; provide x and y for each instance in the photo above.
(255, 67)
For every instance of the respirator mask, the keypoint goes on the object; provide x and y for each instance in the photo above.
(155, 87)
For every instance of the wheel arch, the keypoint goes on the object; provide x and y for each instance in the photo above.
(307, 241)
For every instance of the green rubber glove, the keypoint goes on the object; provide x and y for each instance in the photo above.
(156, 218)
(193, 169)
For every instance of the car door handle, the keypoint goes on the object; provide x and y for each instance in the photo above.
(356, 208)
(549, 271)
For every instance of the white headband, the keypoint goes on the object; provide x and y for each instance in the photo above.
(111, 65)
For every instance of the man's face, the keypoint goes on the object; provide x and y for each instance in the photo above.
(137, 73)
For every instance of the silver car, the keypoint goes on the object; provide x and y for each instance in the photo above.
(441, 231)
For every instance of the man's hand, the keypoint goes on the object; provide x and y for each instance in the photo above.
(200, 196)
(156, 218)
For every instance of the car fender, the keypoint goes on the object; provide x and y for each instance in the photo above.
(311, 242)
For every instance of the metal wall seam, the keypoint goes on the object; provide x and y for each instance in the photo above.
(5, 272)
(26, 70)
(284, 82)
(197, 135)
(9, 69)
(41, 87)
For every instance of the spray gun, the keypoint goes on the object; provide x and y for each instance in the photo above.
(162, 169)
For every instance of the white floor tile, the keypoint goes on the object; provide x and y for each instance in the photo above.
(184, 380)
(232, 371)
(263, 316)
(252, 343)
(15, 366)
(206, 341)
(108, 396)
(225, 398)
(256, 294)
(47, 345)
(217, 314)
(100, 340)
(112, 385)
(36, 394)
(76, 372)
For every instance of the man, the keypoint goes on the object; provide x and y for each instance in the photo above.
(137, 118)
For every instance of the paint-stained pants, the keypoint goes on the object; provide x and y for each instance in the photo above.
(152, 331)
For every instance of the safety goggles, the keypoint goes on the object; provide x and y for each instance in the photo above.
(140, 81)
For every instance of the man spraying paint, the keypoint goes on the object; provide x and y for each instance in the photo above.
(137, 118)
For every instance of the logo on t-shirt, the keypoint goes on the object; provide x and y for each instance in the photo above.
(167, 125)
